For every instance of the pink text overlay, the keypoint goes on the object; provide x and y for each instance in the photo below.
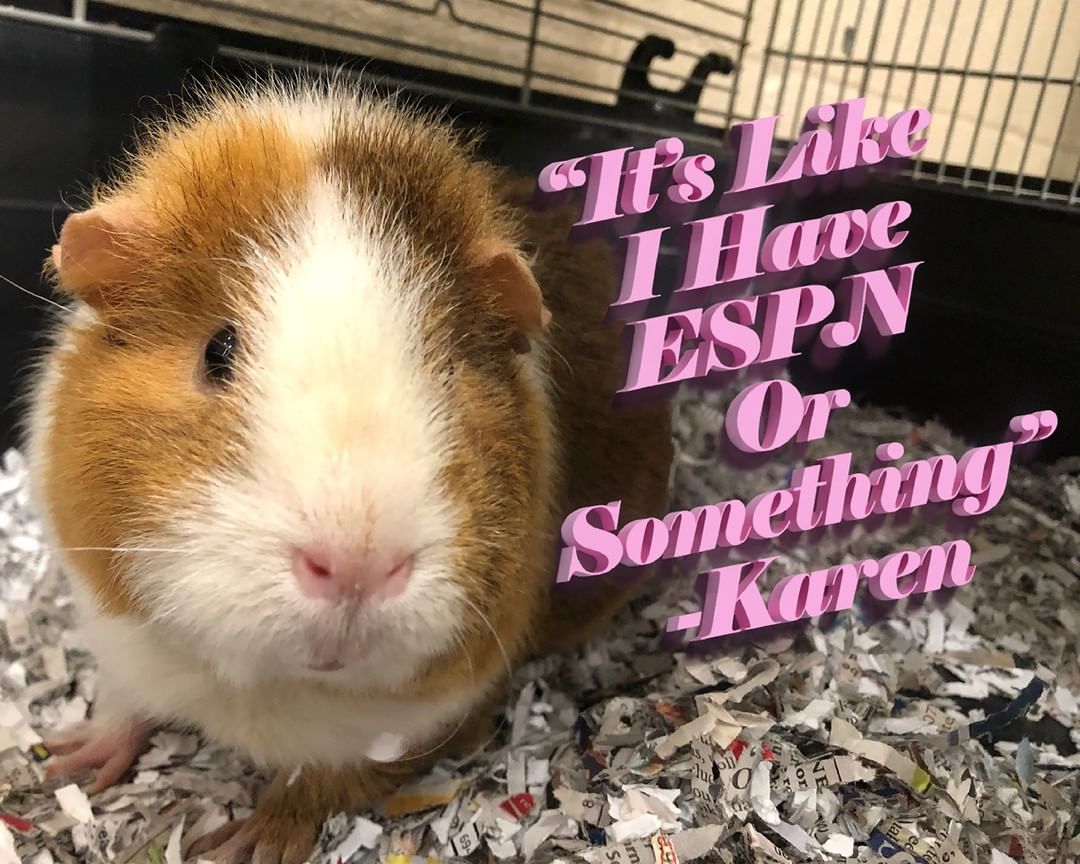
(706, 335)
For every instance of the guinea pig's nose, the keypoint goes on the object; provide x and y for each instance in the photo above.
(325, 575)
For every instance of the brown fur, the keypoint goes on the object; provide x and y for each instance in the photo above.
(134, 424)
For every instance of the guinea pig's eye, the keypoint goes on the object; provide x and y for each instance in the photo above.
(220, 355)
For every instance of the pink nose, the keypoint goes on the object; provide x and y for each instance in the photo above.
(326, 576)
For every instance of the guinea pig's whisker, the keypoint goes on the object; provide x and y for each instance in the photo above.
(472, 674)
(33, 294)
(461, 722)
(60, 306)
(118, 549)
(509, 672)
(559, 354)
(502, 722)
(176, 313)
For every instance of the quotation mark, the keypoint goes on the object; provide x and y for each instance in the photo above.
(1033, 427)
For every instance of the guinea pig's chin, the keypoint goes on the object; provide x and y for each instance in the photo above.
(330, 653)
(363, 645)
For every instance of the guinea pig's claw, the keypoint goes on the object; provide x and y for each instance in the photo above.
(217, 844)
(112, 751)
(252, 842)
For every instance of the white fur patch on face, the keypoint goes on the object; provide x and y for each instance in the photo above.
(345, 435)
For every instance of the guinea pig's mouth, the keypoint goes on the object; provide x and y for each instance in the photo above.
(340, 639)
(326, 666)
(332, 655)
(328, 655)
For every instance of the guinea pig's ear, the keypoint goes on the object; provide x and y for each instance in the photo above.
(504, 271)
(94, 250)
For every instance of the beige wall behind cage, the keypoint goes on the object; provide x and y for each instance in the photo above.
(1002, 77)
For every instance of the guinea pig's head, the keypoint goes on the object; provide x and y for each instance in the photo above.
(292, 419)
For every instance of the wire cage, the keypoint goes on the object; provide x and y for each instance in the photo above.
(1000, 77)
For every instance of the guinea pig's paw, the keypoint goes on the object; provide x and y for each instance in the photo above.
(259, 839)
(282, 830)
(112, 748)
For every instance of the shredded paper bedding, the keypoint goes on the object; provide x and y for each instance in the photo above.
(939, 730)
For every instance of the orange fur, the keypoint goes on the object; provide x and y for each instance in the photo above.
(132, 426)
(131, 429)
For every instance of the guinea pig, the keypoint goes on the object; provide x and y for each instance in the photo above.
(323, 390)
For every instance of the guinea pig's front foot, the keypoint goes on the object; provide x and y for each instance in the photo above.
(287, 820)
(110, 747)
(286, 839)
(282, 830)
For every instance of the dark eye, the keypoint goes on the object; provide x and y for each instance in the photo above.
(220, 356)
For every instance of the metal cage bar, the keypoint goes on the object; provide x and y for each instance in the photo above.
(985, 76)
(979, 81)
(580, 49)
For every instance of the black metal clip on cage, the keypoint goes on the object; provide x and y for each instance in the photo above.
(670, 109)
